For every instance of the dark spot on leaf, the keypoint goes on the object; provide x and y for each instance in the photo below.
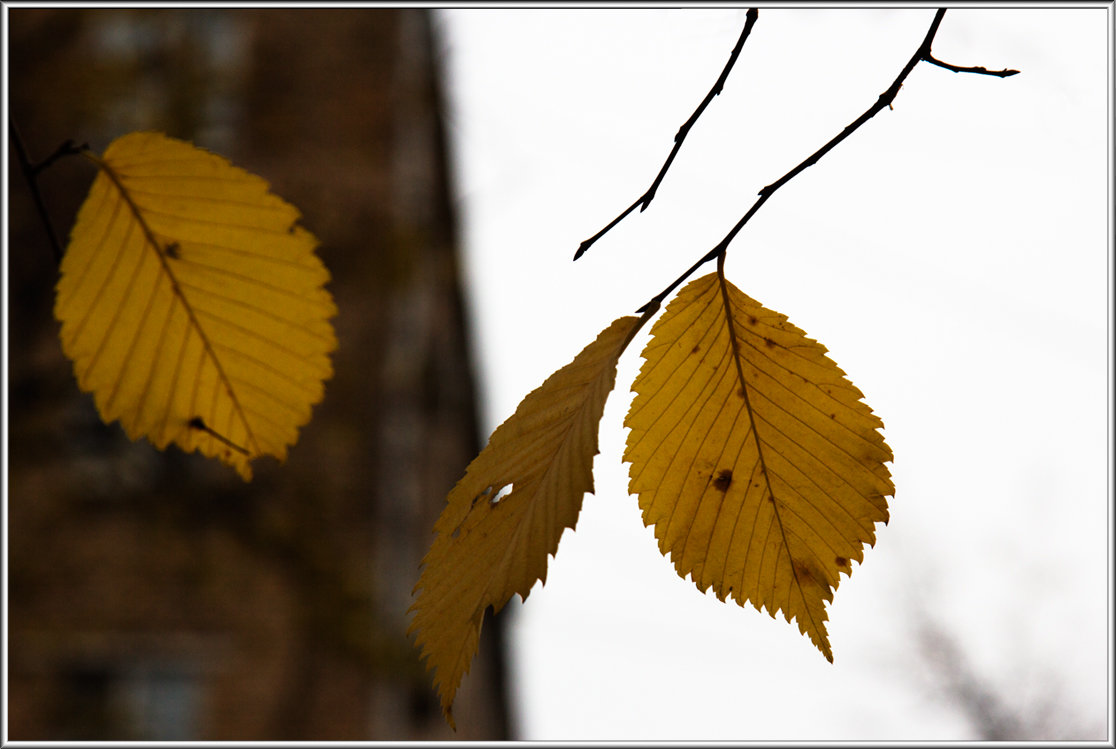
(841, 561)
(753, 320)
(803, 573)
(172, 250)
(769, 343)
(723, 481)
(740, 392)
(833, 416)
(696, 348)
(197, 423)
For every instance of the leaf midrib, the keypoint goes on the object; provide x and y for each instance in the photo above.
(153, 243)
(744, 388)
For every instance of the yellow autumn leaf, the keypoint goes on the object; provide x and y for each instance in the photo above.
(192, 303)
(491, 546)
(753, 456)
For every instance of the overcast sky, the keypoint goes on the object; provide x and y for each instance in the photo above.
(953, 257)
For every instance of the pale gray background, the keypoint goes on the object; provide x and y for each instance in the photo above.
(953, 255)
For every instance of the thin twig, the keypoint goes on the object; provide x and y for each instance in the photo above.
(959, 69)
(645, 199)
(31, 173)
(885, 99)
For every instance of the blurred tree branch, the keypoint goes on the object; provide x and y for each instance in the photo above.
(995, 714)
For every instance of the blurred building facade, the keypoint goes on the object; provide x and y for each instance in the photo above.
(155, 595)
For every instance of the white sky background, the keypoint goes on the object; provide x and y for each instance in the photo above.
(953, 256)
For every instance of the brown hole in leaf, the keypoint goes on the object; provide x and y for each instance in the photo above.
(485, 492)
(723, 481)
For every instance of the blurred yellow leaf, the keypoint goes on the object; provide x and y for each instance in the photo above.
(192, 303)
(753, 456)
(491, 546)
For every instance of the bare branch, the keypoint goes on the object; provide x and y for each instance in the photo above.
(31, 173)
(645, 199)
(884, 101)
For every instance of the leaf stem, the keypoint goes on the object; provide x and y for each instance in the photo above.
(199, 423)
(645, 200)
(884, 100)
(31, 173)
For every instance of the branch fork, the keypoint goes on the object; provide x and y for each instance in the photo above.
(922, 54)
